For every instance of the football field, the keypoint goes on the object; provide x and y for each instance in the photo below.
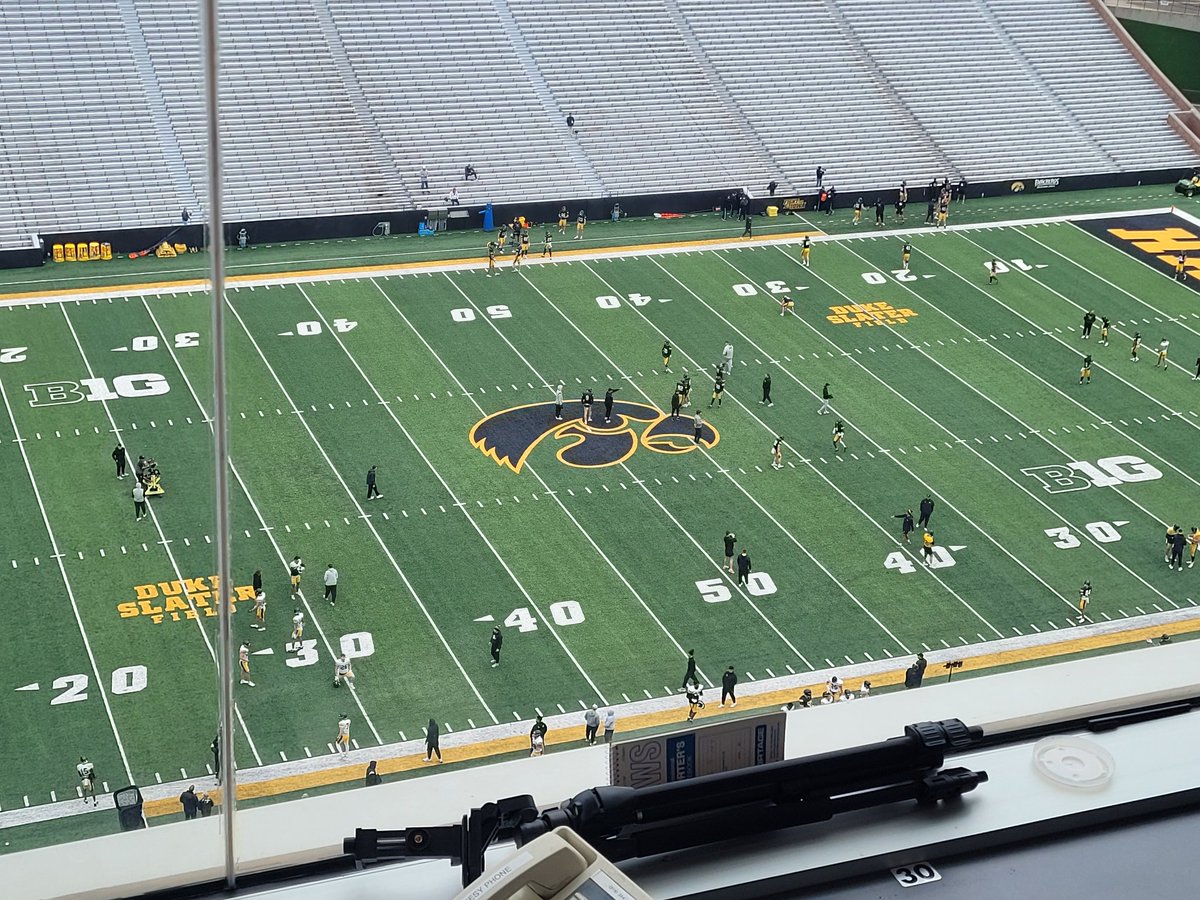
(595, 547)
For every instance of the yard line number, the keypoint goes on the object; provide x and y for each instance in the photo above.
(564, 612)
(355, 645)
(74, 688)
(715, 590)
(1103, 532)
(466, 314)
(902, 562)
(608, 301)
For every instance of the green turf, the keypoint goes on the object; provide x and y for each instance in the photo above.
(977, 384)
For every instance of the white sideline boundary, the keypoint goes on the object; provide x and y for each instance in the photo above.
(850, 674)
(417, 270)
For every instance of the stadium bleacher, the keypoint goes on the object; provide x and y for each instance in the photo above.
(335, 106)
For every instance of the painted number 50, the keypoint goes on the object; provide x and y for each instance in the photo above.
(715, 590)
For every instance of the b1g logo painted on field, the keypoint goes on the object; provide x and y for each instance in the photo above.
(58, 393)
(509, 436)
(1111, 471)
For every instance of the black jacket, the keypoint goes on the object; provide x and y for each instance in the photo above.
(190, 802)
(743, 562)
(728, 680)
(497, 640)
(431, 733)
(926, 506)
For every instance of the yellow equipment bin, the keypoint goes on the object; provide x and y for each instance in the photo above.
(772, 212)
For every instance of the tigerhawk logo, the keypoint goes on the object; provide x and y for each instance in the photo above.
(1017, 186)
(509, 436)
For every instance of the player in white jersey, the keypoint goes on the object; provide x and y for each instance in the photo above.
(342, 741)
(297, 625)
(87, 779)
(342, 669)
(260, 611)
(244, 664)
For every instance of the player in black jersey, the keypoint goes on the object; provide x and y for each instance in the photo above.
(491, 250)
(717, 391)
(1085, 373)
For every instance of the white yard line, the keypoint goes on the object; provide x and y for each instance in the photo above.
(1057, 516)
(58, 557)
(312, 616)
(408, 270)
(891, 537)
(546, 487)
(362, 514)
(850, 674)
(547, 621)
(726, 472)
(162, 538)
(1074, 350)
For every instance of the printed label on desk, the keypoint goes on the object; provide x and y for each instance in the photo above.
(916, 873)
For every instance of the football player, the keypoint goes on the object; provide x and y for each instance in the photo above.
(839, 437)
(491, 251)
(1162, 354)
(563, 215)
(87, 780)
(927, 544)
(1085, 373)
(777, 454)
(1104, 331)
(342, 741)
(666, 356)
(905, 254)
(260, 611)
(1137, 345)
(296, 569)
(342, 669)
(805, 250)
(297, 625)
(244, 664)
(1085, 597)
(1193, 545)
(580, 221)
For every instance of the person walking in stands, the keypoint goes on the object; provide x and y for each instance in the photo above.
(496, 642)
(331, 580)
(728, 683)
(926, 512)
(743, 565)
(431, 741)
(372, 487)
(591, 724)
(424, 180)
(820, 176)
(771, 188)
(118, 456)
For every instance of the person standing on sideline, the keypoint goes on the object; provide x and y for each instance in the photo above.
(695, 698)
(87, 780)
(766, 391)
(497, 641)
(748, 231)
(342, 742)
(295, 570)
(331, 580)
(608, 403)
(730, 540)
(826, 400)
(610, 724)
(728, 683)
(698, 423)
(190, 802)
(743, 565)
(820, 176)
(372, 776)
(926, 512)
(537, 737)
(907, 525)
(558, 401)
(580, 222)
(372, 487)
(690, 674)
(215, 747)
(139, 502)
(591, 724)
(432, 748)
(118, 456)
(1085, 597)
(858, 211)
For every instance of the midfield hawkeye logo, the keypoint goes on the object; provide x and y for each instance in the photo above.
(168, 600)
(509, 436)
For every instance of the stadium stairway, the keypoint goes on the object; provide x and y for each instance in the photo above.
(176, 167)
(546, 96)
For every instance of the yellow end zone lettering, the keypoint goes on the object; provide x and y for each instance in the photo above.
(158, 601)
(859, 314)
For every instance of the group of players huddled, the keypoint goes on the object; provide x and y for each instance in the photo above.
(519, 230)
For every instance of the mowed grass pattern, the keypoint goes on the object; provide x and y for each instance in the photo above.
(591, 573)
